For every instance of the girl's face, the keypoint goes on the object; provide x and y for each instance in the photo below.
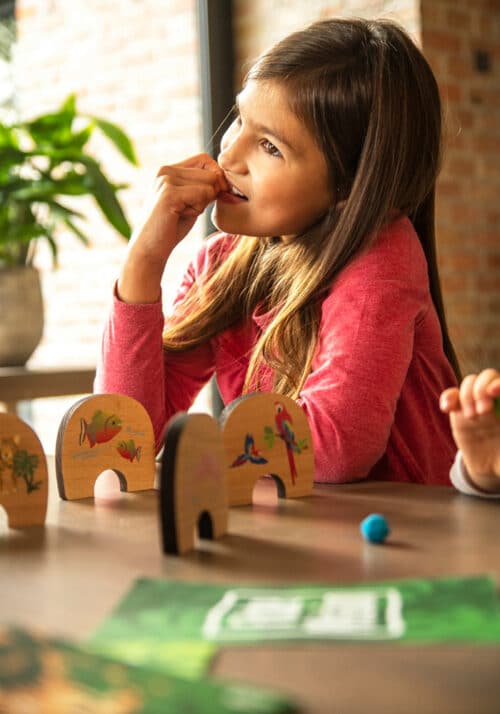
(278, 175)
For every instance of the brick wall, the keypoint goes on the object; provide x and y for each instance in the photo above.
(133, 62)
(260, 23)
(456, 36)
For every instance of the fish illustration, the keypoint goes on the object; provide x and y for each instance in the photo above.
(250, 454)
(101, 428)
(129, 450)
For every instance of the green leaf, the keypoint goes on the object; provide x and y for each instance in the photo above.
(269, 437)
(23, 233)
(8, 139)
(62, 211)
(51, 164)
(66, 139)
(104, 193)
(35, 191)
(53, 248)
(119, 139)
(63, 118)
(78, 233)
(54, 128)
(68, 107)
(73, 184)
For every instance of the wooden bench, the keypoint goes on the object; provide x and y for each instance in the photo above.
(25, 383)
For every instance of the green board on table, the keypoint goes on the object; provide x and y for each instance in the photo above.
(170, 624)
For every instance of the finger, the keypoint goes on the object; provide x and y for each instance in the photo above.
(467, 396)
(449, 401)
(483, 401)
(203, 162)
(493, 387)
(187, 200)
(178, 176)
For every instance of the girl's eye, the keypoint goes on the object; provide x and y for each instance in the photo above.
(270, 148)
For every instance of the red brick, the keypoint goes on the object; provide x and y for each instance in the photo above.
(461, 261)
(458, 19)
(441, 40)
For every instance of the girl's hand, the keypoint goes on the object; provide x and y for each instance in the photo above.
(182, 192)
(476, 426)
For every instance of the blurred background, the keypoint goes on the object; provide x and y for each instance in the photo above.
(142, 64)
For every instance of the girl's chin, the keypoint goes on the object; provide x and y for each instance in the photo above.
(224, 223)
(228, 224)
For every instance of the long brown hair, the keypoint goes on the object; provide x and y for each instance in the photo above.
(369, 98)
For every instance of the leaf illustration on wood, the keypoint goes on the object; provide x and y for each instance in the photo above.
(269, 436)
(24, 467)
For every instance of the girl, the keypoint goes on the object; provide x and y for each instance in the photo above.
(322, 284)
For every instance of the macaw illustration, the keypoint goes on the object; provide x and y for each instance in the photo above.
(283, 422)
(250, 453)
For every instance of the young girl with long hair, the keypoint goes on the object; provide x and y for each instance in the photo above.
(322, 283)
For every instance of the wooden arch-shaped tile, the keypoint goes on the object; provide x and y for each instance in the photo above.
(104, 431)
(193, 490)
(23, 473)
(267, 434)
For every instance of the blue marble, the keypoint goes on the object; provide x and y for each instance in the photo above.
(374, 528)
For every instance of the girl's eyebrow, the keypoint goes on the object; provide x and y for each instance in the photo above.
(262, 129)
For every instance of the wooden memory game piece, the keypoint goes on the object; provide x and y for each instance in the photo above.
(267, 434)
(207, 467)
(193, 491)
(23, 473)
(100, 432)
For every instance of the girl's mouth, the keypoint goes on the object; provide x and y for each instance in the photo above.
(234, 195)
(236, 192)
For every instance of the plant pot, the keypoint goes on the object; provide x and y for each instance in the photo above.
(21, 315)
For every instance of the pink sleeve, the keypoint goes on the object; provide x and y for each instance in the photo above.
(133, 361)
(365, 348)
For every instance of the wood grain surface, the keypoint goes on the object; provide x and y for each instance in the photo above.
(67, 577)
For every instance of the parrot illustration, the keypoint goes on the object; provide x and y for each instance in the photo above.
(283, 422)
(250, 454)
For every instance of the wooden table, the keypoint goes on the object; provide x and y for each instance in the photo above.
(70, 580)
(23, 383)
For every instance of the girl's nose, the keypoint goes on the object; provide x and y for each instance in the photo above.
(231, 156)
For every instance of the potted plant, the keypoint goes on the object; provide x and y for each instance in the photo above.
(42, 161)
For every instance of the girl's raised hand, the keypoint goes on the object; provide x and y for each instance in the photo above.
(182, 192)
(476, 426)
